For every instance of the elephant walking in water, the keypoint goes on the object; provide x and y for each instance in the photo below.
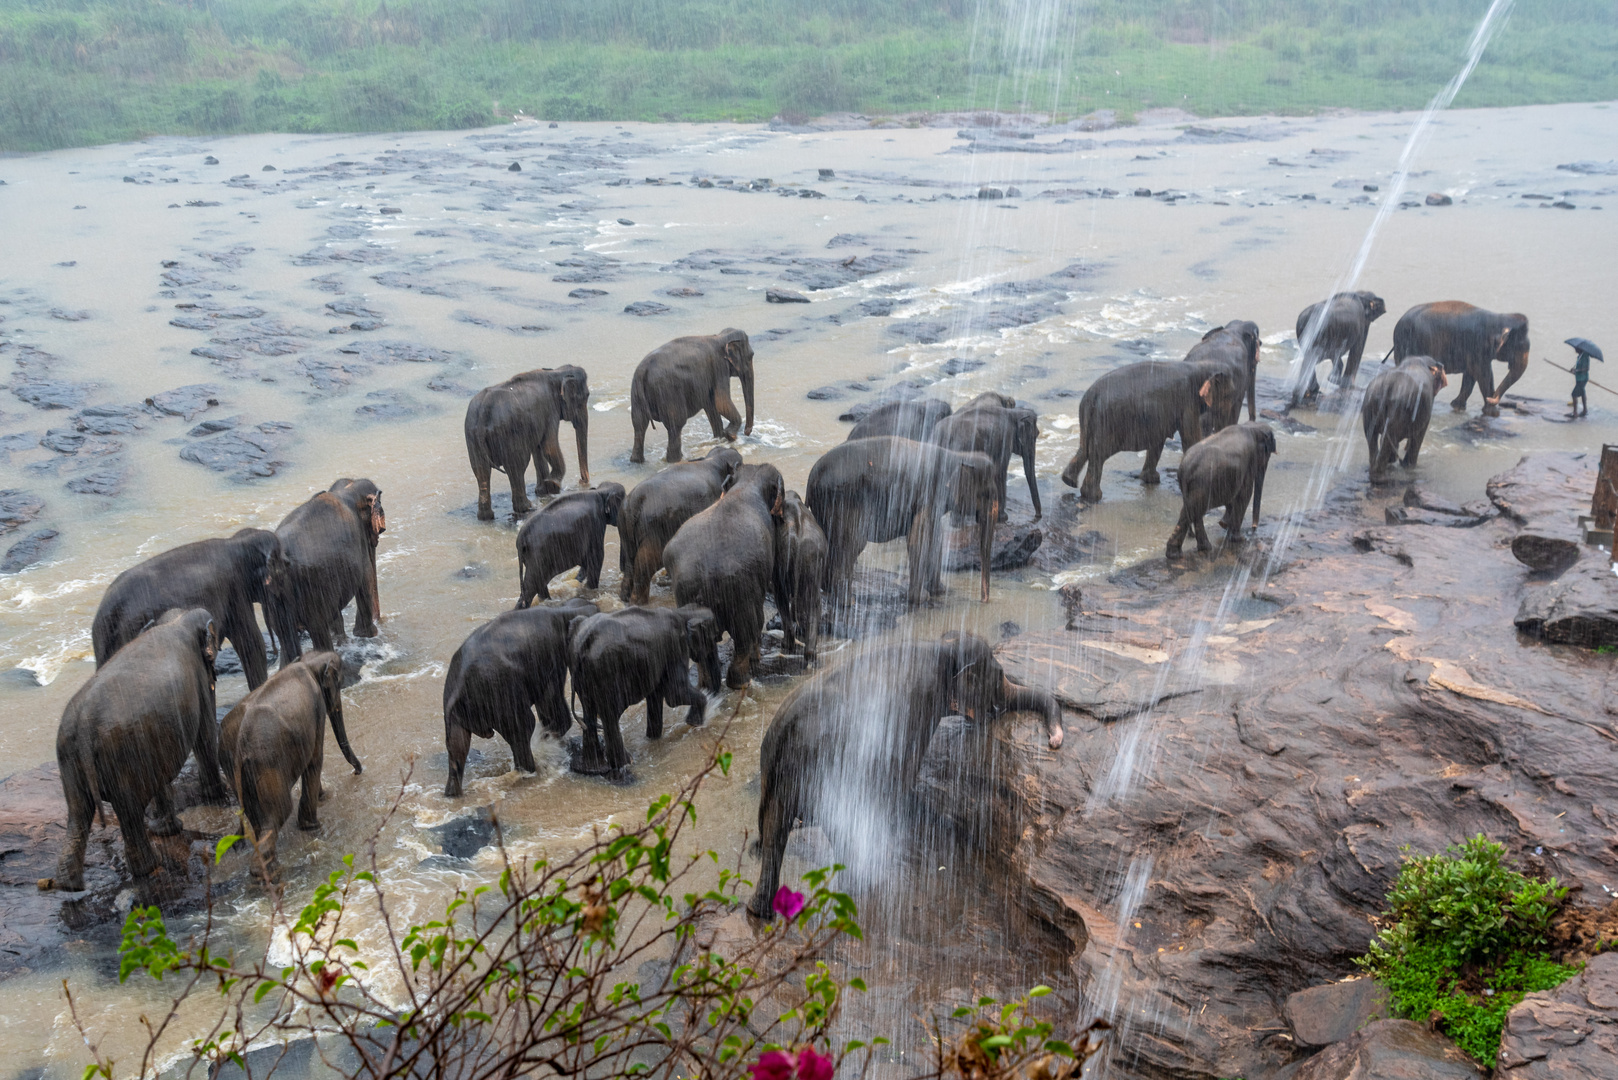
(1225, 469)
(1467, 341)
(864, 726)
(330, 544)
(126, 733)
(654, 511)
(995, 425)
(510, 423)
(1344, 326)
(1233, 350)
(1398, 407)
(686, 376)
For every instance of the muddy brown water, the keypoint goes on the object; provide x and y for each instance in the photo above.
(471, 272)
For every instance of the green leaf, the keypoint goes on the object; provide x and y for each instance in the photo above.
(225, 844)
(995, 1042)
(1039, 991)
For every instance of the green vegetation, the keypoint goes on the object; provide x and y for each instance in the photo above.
(1464, 940)
(74, 72)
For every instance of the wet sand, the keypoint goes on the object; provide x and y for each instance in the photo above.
(465, 271)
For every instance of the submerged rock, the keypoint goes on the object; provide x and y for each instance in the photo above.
(243, 455)
(31, 549)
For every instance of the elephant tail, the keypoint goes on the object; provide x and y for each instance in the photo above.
(1387, 354)
(92, 783)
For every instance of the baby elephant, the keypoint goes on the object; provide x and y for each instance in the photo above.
(1397, 409)
(569, 532)
(1225, 469)
(276, 736)
(620, 657)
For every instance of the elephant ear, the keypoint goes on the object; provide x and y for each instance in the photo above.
(701, 631)
(208, 640)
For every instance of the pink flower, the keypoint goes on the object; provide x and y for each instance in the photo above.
(787, 903)
(813, 1066)
(772, 1065)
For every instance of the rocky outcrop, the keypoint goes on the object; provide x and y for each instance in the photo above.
(1570, 1033)
(1248, 754)
(1389, 1050)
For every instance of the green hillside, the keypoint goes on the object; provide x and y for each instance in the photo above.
(75, 72)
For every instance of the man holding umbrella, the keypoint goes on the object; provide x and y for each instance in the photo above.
(1581, 372)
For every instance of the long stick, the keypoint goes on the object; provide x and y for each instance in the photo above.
(1570, 371)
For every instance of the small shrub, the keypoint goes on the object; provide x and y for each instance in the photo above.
(1464, 939)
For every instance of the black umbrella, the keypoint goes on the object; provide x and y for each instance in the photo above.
(1586, 346)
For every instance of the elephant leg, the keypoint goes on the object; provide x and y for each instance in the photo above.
(1491, 404)
(309, 796)
(594, 559)
(1387, 449)
(1234, 514)
(206, 749)
(593, 760)
(775, 822)
(480, 472)
(673, 453)
(1413, 448)
(1091, 488)
(546, 480)
(1001, 487)
(248, 641)
(554, 715)
(138, 851)
(320, 634)
(516, 476)
(918, 550)
(1176, 543)
(164, 822)
(81, 811)
(640, 421)
(1148, 470)
(364, 614)
(1202, 531)
(1459, 404)
(746, 630)
(726, 408)
(521, 740)
(617, 755)
(647, 560)
(458, 743)
(654, 715)
(1356, 351)
(677, 690)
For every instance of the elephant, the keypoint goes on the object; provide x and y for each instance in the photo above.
(800, 565)
(686, 376)
(865, 724)
(571, 531)
(1341, 337)
(724, 560)
(1233, 349)
(126, 733)
(620, 657)
(506, 669)
(879, 489)
(275, 737)
(1397, 409)
(913, 419)
(1466, 340)
(509, 423)
(330, 545)
(225, 576)
(993, 424)
(657, 507)
(1139, 407)
(1225, 469)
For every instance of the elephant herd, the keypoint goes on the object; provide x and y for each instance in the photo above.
(731, 537)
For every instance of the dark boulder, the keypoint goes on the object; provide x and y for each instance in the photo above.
(31, 549)
(784, 296)
(1388, 1050)
(1570, 1033)
(646, 307)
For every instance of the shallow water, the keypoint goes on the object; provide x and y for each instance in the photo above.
(468, 268)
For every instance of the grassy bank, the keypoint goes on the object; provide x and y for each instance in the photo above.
(75, 72)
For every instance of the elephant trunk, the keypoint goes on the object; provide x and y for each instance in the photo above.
(1020, 698)
(747, 398)
(1033, 483)
(986, 542)
(1258, 486)
(581, 432)
(334, 709)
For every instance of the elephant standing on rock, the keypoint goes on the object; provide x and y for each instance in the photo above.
(724, 560)
(1344, 326)
(571, 531)
(864, 726)
(330, 545)
(654, 511)
(275, 737)
(620, 657)
(1140, 407)
(913, 419)
(1232, 349)
(1225, 469)
(507, 669)
(876, 490)
(800, 566)
(1466, 340)
(510, 423)
(995, 425)
(225, 577)
(126, 733)
(687, 376)
(1398, 407)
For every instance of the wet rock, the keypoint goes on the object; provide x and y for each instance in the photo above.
(1013, 548)
(1546, 554)
(243, 454)
(625, 221)
(1322, 1015)
(389, 405)
(464, 836)
(990, 193)
(69, 316)
(1545, 487)
(957, 365)
(828, 174)
(682, 291)
(514, 167)
(443, 384)
(268, 168)
(784, 296)
(33, 548)
(214, 427)
(590, 294)
(1570, 1033)
(109, 419)
(106, 481)
(646, 307)
(18, 508)
(34, 380)
(1389, 1050)
(352, 307)
(919, 331)
(392, 352)
(1406, 515)
(1438, 199)
(62, 440)
(1580, 607)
